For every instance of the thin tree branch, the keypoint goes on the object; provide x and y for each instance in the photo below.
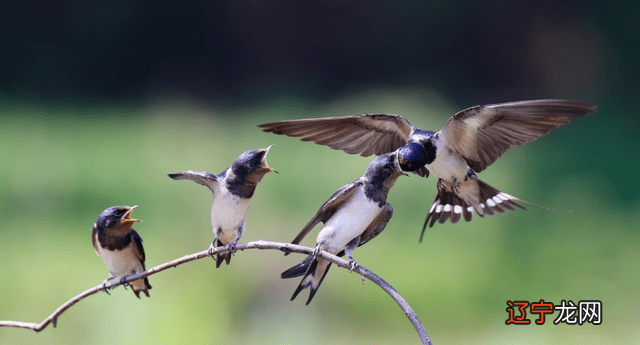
(284, 247)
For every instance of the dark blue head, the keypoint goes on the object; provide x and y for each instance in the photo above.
(413, 156)
(116, 215)
(252, 162)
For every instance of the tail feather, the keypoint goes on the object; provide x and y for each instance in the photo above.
(312, 279)
(222, 257)
(297, 270)
(138, 286)
(456, 202)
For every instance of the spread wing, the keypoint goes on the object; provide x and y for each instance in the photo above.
(483, 133)
(201, 177)
(139, 250)
(328, 208)
(94, 237)
(364, 134)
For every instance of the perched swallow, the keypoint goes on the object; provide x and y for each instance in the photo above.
(120, 246)
(352, 216)
(470, 141)
(232, 191)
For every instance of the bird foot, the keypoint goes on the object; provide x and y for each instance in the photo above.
(232, 247)
(352, 265)
(104, 285)
(316, 251)
(122, 281)
(454, 185)
(212, 247)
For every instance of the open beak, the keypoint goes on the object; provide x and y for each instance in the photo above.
(264, 160)
(126, 216)
(398, 158)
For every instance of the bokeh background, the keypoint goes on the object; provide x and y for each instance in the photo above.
(99, 100)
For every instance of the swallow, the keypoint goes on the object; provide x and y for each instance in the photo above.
(354, 215)
(232, 191)
(120, 246)
(470, 141)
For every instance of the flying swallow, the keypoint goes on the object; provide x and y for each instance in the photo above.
(470, 141)
(232, 191)
(352, 216)
(120, 246)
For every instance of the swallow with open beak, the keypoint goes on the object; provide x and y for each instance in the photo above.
(354, 215)
(232, 191)
(120, 246)
(469, 142)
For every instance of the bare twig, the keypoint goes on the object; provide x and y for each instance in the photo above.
(284, 247)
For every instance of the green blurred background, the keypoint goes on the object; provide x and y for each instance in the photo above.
(98, 101)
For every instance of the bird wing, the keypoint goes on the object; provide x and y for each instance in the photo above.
(138, 249)
(329, 208)
(378, 224)
(94, 237)
(201, 177)
(365, 134)
(483, 133)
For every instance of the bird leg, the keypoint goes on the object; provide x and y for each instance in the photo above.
(104, 283)
(123, 278)
(232, 245)
(316, 251)
(454, 185)
(213, 244)
(348, 250)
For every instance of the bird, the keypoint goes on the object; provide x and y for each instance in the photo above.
(232, 191)
(468, 143)
(353, 215)
(120, 247)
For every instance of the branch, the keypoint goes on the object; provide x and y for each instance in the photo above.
(284, 247)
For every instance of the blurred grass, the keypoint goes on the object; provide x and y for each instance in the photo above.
(61, 165)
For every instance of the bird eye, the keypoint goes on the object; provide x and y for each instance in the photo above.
(118, 212)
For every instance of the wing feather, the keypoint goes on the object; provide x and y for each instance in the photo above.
(328, 208)
(481, 134)
(365, 134)
(201, 177)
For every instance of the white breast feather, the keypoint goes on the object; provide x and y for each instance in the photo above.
(448, 164)
(228, 211)
(351, 220)
(124, 263)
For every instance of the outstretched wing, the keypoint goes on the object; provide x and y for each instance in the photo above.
(364, 134)
(201, 177)
(483, 133)
(328, 208)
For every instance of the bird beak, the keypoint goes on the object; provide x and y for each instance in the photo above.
(126, 218)
(398, 158)
(264, 160)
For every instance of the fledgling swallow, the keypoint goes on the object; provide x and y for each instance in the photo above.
(352, 216)
(470, 141)
(232, 191)
(120, 246)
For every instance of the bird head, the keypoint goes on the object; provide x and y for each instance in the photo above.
(412, 156)
(385, 170)
(117, 216)
(252, 165)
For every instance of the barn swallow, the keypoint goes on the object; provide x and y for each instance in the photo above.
(352, 216)
(120, 246)
(470, 141)
(232, 191)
